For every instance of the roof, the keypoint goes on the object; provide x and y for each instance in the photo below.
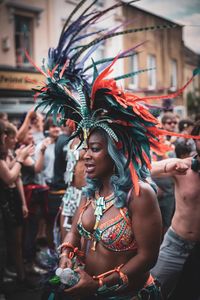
(152, 14)
(191, 57)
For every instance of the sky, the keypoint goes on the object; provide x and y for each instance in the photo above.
(184, 12)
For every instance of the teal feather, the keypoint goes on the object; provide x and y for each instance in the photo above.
(132, 74)
(105, 60)
(95, 71)
(196, 71)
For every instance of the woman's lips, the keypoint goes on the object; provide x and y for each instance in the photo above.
(89, 168)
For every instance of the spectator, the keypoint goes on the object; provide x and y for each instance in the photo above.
(36, 196)
(183, 149)
(33, 120)
(14, 194)
(3, 116)
(8, 176)
(185, 126)
(165, 185)
(53, 131)
(184, 233)
(45, 177)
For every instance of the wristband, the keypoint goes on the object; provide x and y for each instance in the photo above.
(20, 162)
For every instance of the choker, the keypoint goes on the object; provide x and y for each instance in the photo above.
(195, 165)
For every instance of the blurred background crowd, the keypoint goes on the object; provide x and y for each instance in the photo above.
(38, 146)
(35, 154)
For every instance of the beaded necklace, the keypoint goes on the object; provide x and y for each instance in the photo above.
(101, 205)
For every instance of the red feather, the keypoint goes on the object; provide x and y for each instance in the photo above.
(156, 131)
(134, 177)
(174, 95)
(32, 62)
(64, 68)
(98, 81)
(146, 158)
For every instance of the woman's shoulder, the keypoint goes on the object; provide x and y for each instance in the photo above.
(146, 196)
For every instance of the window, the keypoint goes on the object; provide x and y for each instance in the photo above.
(23, 38)
(173, 79)
(134, 68)
(151, 64)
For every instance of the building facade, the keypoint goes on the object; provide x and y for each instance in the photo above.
(161, 52)
(191, 95)
(35, 25)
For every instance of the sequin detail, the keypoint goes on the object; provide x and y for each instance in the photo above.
(115, 234)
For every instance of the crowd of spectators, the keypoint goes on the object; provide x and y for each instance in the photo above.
(32, 177)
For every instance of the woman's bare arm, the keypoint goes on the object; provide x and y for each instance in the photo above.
(9, 176)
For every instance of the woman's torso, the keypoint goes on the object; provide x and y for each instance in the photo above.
(111, 244)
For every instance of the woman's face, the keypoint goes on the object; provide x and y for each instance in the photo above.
(28, 138)
(10, 141)
(98, 163)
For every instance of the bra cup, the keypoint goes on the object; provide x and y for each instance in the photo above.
(118, 236)
(115, 234)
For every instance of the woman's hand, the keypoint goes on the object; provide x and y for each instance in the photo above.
(24, 151)
(25, 210)
(47, 141)
(65, 262)
(86, 286)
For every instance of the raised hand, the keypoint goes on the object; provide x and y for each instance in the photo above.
(24, 151)
(176, 167)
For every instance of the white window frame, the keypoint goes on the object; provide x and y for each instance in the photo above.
(174, 75)
(134, 67)
(151, 64)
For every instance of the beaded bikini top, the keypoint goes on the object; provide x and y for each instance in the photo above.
(115, 234)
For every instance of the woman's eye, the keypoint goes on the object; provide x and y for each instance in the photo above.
(95, 149)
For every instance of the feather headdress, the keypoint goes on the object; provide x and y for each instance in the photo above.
(124, 116)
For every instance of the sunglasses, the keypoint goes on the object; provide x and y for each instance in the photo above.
(171, 122)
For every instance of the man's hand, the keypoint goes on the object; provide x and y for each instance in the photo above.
(176, 168)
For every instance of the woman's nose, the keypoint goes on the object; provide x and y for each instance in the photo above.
(86, 154)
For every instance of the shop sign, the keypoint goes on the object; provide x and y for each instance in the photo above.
(23, 81)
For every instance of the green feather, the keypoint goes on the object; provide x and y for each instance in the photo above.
(133, 30)
(132, 74)
(196, 71)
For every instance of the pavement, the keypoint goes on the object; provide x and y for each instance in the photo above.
(30, 291)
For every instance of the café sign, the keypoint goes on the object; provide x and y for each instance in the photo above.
(23, 81)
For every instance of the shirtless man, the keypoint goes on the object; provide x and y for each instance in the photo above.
(184, 232)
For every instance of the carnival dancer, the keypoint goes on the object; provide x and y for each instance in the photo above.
(116, 231)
